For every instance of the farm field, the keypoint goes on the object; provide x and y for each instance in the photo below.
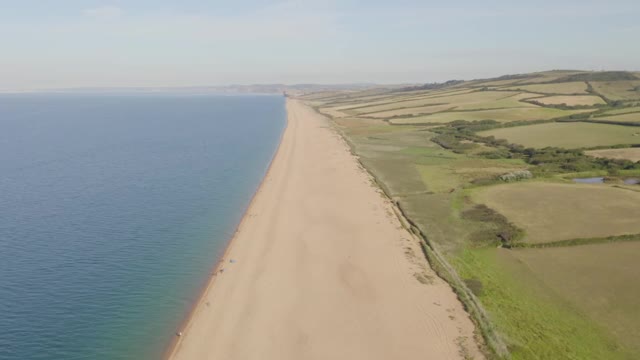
(479, 99)
(551, 212)
(567, 135)
(578, 87)
(630, 118)
(582, 100)
(392, 101)
(490, 239)
(411, 111)
(595, 278)
(502, 115)
(618, 90)
(632, 154)
(627, 110)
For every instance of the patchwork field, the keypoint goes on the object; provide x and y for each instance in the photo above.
(582, 100)
(632, 154)
(411, 111)
(390, 101)
(479, 99)
(501, 115)
(567, 135)
(551, 212)
(577, 87)
(472, 199)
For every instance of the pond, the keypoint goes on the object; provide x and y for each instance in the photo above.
(590, 180)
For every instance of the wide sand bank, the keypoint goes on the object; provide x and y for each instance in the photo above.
(321, 268)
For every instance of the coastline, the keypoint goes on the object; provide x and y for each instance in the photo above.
(328, 296)
(210, 282)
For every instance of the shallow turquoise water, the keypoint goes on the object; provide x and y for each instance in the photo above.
(113, 210)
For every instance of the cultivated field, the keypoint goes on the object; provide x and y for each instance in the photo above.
(411, 111)
(584, 100)
(551, 212)
(632, 154)
(567, 135)
(474, 100)
(618, 90)
(625, 110)
(625, 118)
(501, 115)
(577, 87)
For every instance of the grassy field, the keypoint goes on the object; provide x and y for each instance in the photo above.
(391, 101)
(627, 110)
(625, 118)
(502, 115)
(632, 154)
(551, 212)
(617, 90)
(577, 87)
(567, 135)
(430, 109)
(581, 100)
(595, 279)
(478, 99)
(440, 171)
(536, 322)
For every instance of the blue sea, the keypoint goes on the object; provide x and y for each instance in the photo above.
(113, 211)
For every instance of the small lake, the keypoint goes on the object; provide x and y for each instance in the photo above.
(591, 180)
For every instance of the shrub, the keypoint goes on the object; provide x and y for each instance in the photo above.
(516, 176)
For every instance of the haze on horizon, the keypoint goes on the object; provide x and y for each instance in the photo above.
(93, 43)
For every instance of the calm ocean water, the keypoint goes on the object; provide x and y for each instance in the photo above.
(113, 210)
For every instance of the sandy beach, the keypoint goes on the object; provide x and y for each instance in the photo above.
(321, 268)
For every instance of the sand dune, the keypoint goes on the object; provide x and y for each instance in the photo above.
(323, 269)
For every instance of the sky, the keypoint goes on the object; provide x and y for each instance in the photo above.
(117, 43)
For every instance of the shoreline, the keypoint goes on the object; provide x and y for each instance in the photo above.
(171, 347)
(324, 268)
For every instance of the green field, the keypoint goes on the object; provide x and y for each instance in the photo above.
(473, 100)
(445, 175)
(624, 118)
(567, 135)
(502, 115)
(536, 322)
(556, 88)
(626, 110)
(595, 279)
(551, 212)
(618, 90)
(580, 100)
(414, 111)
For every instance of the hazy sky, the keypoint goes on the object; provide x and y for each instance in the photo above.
(69, 43)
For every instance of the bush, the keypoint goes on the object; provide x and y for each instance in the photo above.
(502, 231)
(516, 176)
